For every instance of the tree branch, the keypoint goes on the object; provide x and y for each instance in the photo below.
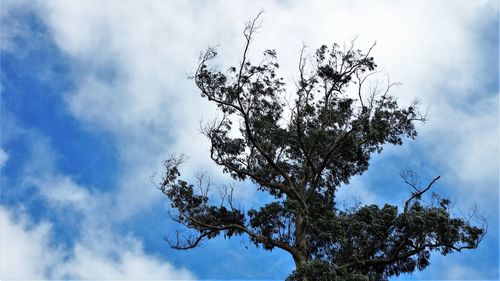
(418, 194)
(215, 228)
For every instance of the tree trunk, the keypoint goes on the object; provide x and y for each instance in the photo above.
(300, 242)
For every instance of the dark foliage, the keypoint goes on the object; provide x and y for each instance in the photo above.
(300, 155)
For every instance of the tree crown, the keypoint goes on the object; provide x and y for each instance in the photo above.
(300, 153)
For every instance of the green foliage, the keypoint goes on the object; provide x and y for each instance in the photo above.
(315, 270)
(324, 271)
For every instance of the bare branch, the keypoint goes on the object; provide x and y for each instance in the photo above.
(184, 242)
(418, 193)
(410, 178)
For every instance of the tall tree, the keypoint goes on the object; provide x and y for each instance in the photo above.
(300, 153)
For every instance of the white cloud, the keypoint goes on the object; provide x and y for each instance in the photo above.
(132, 265)
(23, 253)
(62, 190)
(28, 252)
(472, 138)
(41, 172)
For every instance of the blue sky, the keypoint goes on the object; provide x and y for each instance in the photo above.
(94, 96)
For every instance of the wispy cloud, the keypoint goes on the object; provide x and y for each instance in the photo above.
(32, 250)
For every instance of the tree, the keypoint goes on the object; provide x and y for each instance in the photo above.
(300, 153)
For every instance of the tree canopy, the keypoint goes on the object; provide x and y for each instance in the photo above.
(300, 153)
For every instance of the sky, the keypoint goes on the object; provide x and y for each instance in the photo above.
(95, 95)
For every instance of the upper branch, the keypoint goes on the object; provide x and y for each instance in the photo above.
(418, 193)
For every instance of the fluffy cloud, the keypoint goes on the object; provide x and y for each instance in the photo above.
(23, 249)
(29, 252)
